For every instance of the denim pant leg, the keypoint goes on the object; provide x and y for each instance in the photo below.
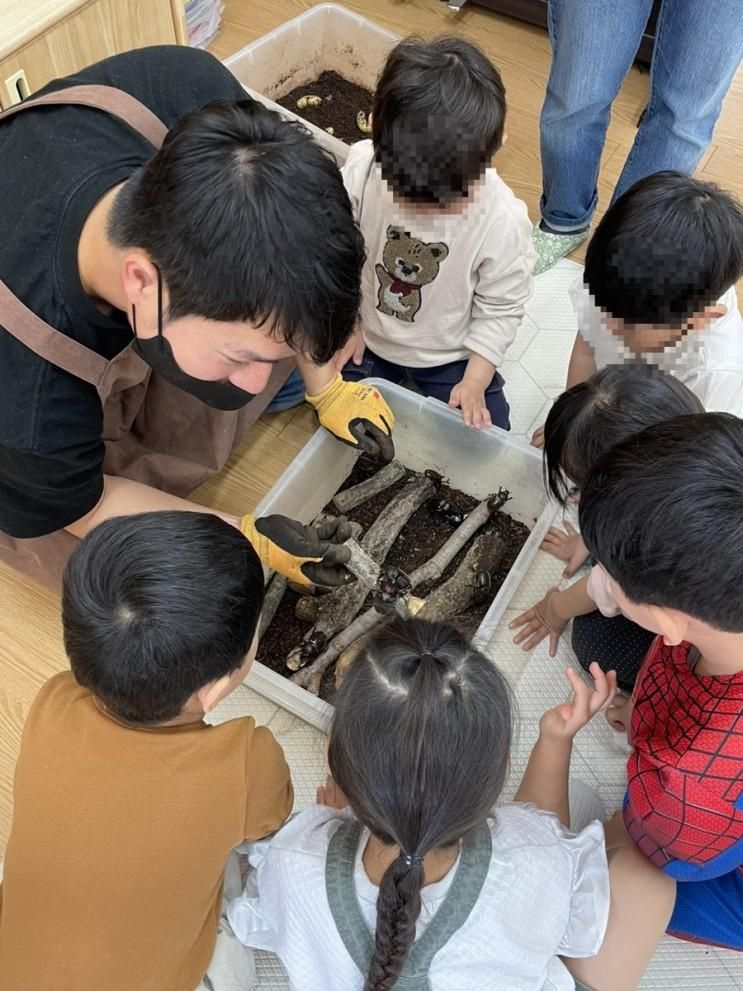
(374, 367)
(289, 395)
(698, 48)
(593, 45)
(439, 381)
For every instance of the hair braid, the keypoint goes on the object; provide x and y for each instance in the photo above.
(398, 908)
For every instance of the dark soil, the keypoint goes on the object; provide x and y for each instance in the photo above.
(342, 100)
(419, 540)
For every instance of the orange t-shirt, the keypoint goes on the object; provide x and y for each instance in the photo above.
(115, 863)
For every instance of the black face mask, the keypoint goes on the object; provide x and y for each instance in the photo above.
(158, 354)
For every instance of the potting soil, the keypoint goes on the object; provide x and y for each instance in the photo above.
(342, 101)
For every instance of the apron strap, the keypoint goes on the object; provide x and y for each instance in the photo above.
(106, 98)
(15, 317)
(460, 899)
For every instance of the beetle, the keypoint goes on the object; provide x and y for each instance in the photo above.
(392, 584)
(443, 512)
(314, 645)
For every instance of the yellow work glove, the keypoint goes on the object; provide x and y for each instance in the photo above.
(358, 415)
(308, 555)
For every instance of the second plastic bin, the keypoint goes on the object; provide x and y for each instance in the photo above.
(427, 435)
(327, 37)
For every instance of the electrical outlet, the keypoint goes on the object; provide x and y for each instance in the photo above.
(16, 87)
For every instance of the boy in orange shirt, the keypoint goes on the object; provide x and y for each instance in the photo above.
(127, 804)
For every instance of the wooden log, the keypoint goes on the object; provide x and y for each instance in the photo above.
(455, 595)
(435, 566)
(311, 675)
(337, 610)
(271, 600)
(358, 494)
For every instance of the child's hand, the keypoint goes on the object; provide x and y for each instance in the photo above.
(619, 716)
(564, 721)
(330, 794)
(537, 623)
(566, 545)
(470, 398)
(353, 351)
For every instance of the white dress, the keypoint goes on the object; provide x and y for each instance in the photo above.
(546, 893)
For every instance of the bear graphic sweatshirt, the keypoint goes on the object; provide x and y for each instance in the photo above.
(439, 286)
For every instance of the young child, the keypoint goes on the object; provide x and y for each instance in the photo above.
(420, 883)
(449, 252)
(663, 514)
(583, 424)
(659, 286)
(127, 804)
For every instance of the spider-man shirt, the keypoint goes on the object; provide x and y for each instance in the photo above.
(684, 802)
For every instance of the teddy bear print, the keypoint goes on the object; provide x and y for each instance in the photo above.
(408, 265)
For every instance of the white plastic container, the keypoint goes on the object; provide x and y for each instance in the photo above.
(427, 435)
(327, 37)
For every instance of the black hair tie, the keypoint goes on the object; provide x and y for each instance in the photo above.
(410, 861)
(428, 656)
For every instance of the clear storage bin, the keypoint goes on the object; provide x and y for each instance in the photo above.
(428, 434)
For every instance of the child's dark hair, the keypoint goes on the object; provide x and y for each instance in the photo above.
(420, 745)
(667, 248)
(156, 606)
(663, 513)
(594, 415)
(247, 218)
(438, 117)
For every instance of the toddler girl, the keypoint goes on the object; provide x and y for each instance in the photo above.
(584, 423)
(420, 883)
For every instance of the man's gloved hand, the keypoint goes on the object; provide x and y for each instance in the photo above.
(358, 415)
(308, 555)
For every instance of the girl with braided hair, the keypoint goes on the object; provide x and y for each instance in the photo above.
(405, 876)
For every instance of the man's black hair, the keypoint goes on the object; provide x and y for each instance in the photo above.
(594, 415)
(438, 116)
(667, 248)
(247, 219)
(156, 606)
(663, 513)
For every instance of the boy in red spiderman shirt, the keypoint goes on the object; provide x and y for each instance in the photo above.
(663, 514)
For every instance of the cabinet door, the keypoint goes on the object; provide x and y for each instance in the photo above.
(94, 31)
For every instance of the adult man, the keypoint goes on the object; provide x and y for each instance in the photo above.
(150, 301)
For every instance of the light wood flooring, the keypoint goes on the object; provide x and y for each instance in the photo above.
(30, 644)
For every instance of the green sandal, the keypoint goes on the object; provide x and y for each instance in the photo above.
(550, 248)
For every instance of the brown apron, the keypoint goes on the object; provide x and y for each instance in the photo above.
(153, 432)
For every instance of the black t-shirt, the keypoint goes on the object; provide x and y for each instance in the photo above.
(55, 164)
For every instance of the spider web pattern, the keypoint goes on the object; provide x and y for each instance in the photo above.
(685, 777)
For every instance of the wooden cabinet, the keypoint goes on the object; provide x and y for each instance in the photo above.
(43, 39)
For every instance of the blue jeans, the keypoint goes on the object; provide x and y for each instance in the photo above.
(435, 382)
(289, 395)
(698, 47)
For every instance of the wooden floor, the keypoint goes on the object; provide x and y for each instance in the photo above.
(30, 647)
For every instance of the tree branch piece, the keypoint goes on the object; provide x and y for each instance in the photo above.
(272, 599)
(455, 595)
(432, 569)
(336, 610)
(358, 494)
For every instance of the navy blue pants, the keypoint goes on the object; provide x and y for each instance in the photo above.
(436, 382)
